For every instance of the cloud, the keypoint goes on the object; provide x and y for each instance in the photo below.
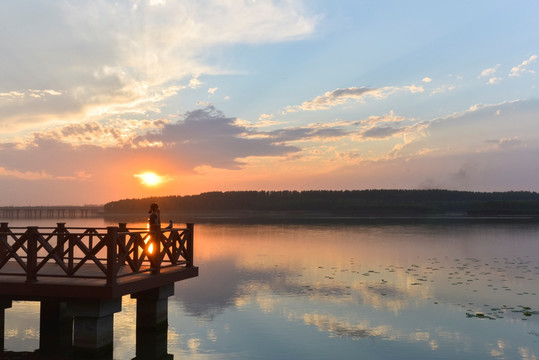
(203, 137)
(505, 143)
(306, 133)
(12, 95)
(466, 132)
(74, 60)
(27, 175)
(342, 96)
(264, 120)
(489, 71)
(374, 119)
(523, 67)
(442, 89)
(376, 127)
(195, 82)
(494, 80)
(108, 134)
(387, 147)
(381, 132)
(40, 175)
(104, 161)
(426, 79)
(207, 137)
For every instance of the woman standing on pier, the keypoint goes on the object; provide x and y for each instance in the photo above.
(155, 217)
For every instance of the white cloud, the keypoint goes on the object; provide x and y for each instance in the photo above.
(442, 89)
(264, 120)
(389, 118)
(426, 79)
(494, 80)
(505, 143)
(523, 67)
(342, 96)
(212, 90)
(194, 82)
(489, 71)
(115, 55)
(510, 142)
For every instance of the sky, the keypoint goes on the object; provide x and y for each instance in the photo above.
(106, 100)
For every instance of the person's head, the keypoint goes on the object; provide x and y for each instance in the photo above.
(153, 208)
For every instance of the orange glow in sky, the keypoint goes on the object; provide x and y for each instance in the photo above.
(149, 178)
(143, 118)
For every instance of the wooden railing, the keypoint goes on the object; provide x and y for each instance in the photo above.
(92, 253)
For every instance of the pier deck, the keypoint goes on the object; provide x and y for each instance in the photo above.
(79, 275)
(92, 263)
(89, 286)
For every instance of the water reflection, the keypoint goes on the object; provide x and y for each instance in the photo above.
(399, 284)
(317, 292)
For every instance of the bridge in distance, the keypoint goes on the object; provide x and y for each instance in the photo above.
(56, 212)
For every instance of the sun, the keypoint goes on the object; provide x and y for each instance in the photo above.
(149, 178)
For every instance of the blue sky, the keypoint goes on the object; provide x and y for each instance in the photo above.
(265, 95)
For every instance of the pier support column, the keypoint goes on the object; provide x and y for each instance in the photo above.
(93, 327)
(4, 304)
(152, 322)
(55, 328)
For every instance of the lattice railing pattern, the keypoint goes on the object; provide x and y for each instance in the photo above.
(109, 253)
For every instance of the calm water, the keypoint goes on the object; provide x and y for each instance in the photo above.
(450, 290)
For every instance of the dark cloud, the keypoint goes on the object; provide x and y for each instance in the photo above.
(204, 137)
(305, 133)
(207, 137)
(381, 132)
(506, 143)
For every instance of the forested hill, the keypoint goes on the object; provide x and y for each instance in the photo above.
(343, 203)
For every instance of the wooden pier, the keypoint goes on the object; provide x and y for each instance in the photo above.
(80, 275)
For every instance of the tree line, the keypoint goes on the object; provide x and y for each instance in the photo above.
(343, 202)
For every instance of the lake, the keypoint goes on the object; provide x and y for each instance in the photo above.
(436, 289)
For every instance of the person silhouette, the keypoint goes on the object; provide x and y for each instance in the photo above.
(155, 217)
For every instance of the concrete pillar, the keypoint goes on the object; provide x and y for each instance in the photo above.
(55, 328)
(93, 327)
(4, 304)
(152, 322)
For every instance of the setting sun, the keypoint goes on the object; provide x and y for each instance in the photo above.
(149, 178)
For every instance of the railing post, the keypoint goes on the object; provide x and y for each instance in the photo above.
(31, 258)
(71, 254)
(112, 254)
(190, 243)
(60, 239)
(122, 228)
(3, 239)
(155, 239)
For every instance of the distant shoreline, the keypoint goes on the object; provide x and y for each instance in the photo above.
(286, 217)
(358, 204)
(309, 206)
(313, 217)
